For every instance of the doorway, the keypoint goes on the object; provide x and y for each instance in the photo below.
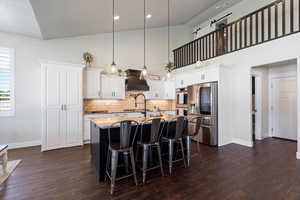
(274, 101)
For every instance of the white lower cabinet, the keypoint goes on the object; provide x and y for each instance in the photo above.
(61, 106)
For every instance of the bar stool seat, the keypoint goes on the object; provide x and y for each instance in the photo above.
(173, 139)
(121, 139)
(148, 144)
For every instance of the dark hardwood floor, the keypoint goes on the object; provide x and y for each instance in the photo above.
(268, 171)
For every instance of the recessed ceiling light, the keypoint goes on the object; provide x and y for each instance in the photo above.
(117, 17)
(148, 16)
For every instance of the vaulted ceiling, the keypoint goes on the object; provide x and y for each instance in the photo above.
(50, 19)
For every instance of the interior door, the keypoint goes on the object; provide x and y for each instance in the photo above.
(284, 108)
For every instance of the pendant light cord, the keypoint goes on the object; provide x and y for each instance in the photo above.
(113, 28)
(144, 33)
(169, 31)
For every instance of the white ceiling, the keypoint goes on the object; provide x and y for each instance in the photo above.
(16, 16)
(50, 19)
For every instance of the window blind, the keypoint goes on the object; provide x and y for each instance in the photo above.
(6, 81)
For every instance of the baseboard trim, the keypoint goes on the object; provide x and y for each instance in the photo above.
(86, 141)
(243, 142)
(24, 144)
(298, 155)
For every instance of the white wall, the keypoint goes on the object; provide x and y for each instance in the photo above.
(25, 127)
(239, 10)
(241, 63)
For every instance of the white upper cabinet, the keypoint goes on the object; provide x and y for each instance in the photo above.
(161, 89)
(92, 83)
(156, 89)
(112, 87)
(169, 90)
(192, 77)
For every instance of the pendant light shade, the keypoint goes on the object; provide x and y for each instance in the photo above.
(144, 70)
(113, 66)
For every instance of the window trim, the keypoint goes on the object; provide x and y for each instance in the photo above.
(11, 113)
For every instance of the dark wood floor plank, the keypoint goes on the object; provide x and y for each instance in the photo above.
(268, 171)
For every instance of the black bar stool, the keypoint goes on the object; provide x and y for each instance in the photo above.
(193, 129)
(121, 136)
(177, 138)
(153, 129)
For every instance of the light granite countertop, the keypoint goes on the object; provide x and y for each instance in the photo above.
(105, 122)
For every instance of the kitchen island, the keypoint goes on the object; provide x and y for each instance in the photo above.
(99, 138)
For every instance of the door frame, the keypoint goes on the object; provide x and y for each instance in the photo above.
(258, 104)
(271, 96)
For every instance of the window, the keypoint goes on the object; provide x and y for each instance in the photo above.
(7, 64)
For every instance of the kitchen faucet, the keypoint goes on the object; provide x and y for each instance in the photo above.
(145, 102)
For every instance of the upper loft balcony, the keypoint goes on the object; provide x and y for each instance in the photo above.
(276, 20)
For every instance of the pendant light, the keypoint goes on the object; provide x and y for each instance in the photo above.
(169, 66)
(144, 70)
(113, 66)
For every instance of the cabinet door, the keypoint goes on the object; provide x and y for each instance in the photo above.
(92, 83)
(169, 90)
(181, 81)
(107, 86)
(156, 89)
(112, 87)
(119, 88)
(73, 109)
(52, 111)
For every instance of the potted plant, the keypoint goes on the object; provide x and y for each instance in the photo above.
(88, 58)
(169, 67)
(120, 71)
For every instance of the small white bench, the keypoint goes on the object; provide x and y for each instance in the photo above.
(3, 154)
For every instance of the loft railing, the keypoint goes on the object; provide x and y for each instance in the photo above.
(278, 19)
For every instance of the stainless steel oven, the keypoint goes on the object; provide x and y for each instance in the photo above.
(181, 97)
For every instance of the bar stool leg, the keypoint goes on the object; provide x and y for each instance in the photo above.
(107, 163)
(189, 150)
(126, 160)
(160, 160)
(114, 163)
(198, 147)
(171, 149)
(182, 152)
(137, 152)
(145, 161)
(133, 166)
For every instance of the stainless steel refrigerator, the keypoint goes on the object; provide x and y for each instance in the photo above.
(203, 101)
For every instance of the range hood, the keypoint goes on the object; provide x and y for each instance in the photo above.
(133, 81)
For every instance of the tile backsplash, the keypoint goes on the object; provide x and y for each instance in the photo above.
(110, 105)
